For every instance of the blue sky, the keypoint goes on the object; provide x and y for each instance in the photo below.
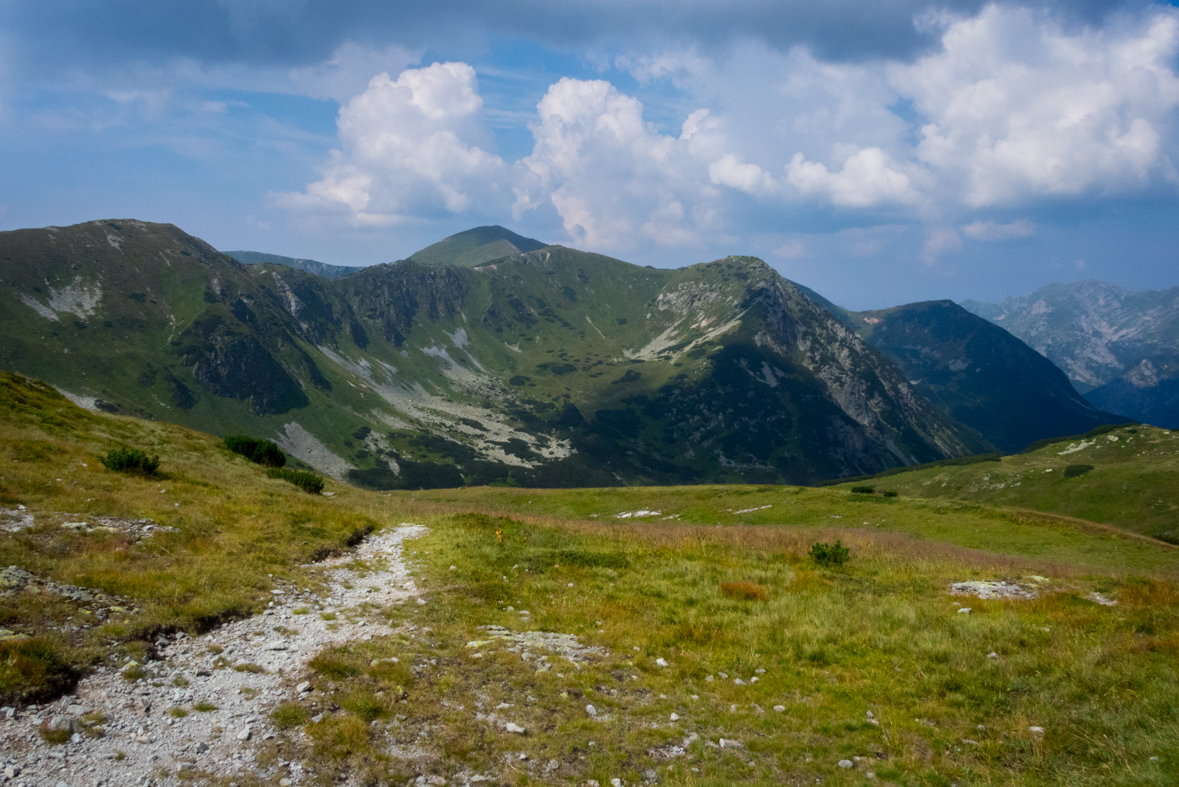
(881, 153)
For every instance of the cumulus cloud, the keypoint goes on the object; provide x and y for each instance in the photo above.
(411, 146)
(348, 71)
(993, 231)
(1019, 108)
(610, 174)
(868, 178)
(1014, 108)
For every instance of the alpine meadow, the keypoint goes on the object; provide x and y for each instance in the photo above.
(589, 395)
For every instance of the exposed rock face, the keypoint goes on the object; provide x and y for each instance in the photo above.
(1149, 392)
(547, 367)
(323, 269)
(1092, 330)
(239, 367)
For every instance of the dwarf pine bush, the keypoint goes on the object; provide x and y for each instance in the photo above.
(829, 554)
(130, 460)
(263, 452)
(308, 482)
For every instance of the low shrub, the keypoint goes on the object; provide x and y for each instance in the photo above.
(308, 482)
(829, 554)
(130, 460)
(863, 490)
(262, 452)
(744, 591)
(889, 493)
(1073, 471)
(53, 737)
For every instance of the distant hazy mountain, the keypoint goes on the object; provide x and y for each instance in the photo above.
(475, 247)
(1149, 392)
(311, 266)
(1093, 330)
(1100, 335)
(553, 367)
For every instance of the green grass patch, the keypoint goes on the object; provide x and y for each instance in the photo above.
(290, 714)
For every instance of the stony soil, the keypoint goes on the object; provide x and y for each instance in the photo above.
(123, 731)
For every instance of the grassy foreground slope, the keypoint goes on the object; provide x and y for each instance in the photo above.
(718, 651)
(1128, 477)
(230, 535)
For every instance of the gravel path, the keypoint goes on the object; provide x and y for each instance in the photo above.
(261, 662)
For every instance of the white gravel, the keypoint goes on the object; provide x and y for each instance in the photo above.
(222, 742)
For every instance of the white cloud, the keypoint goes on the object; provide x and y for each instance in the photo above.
(993, 231)
(1018, 108)
(1012, 109)
(411, 146)
(749, 178)
(869, 177)
(349, 70)
(611, 175)
(940, 241)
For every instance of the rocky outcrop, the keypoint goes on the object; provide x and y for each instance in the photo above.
(1093, 330)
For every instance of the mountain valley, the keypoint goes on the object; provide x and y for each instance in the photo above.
(549, 367)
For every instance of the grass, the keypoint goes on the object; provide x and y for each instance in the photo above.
(231, 534)
(1127, 476)
(879, 633)
(673, 607)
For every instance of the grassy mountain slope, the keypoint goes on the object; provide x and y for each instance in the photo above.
(979, 374)
(553, 367)
(323, 269)
(708, 609)
(475, 246)
(1128, 477)
(975, 373)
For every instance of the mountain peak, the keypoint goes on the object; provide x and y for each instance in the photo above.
(476, 246)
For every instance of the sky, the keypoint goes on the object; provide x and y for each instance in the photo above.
(880, 153)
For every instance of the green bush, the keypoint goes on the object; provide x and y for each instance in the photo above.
(829, 554)
(863, 490)
(263, 452)
(889, 493)
(1073, 471)
(130, 460)
(308, 482)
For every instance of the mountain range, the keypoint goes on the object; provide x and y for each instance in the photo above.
(493, 358)
(1119, 347)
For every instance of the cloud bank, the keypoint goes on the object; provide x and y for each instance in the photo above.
(1012, 110)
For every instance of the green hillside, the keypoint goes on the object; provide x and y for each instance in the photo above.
(550, 368)
(979, 374)
(475, 247)
(1128, 477)
(680, 636)
(975, 372)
